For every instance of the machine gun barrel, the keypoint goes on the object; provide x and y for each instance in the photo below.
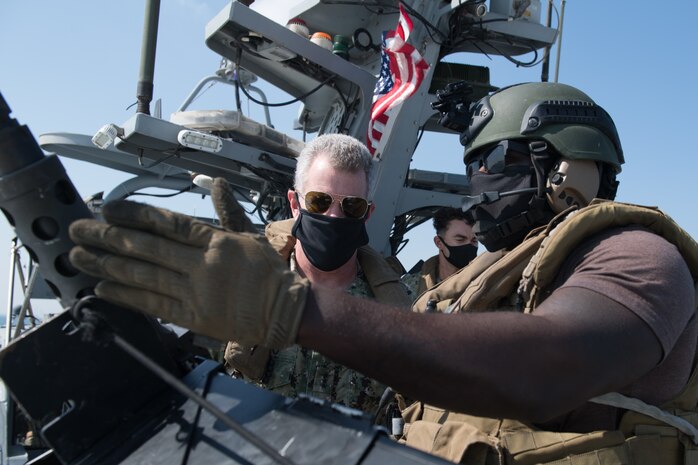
(39, 201)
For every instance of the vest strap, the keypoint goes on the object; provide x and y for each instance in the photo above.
(615, 399)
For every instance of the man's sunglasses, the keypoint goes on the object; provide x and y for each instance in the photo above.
(498, 157)
(320, 202)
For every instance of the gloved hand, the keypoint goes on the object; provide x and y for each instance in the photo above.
(251, 361)
(229, 211)
(230, 286)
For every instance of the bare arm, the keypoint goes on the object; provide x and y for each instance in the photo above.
(530, 367)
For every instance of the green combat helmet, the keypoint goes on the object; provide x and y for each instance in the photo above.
(559, 114)
(569, 142)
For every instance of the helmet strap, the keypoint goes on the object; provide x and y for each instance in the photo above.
(609, 183)
(541, 161)
(538, 214)
(539, 211)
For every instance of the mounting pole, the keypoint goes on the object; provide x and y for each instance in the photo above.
(546, 59)
(559, 40)
(144, 91)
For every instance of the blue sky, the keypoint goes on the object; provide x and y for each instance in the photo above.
(72, 66)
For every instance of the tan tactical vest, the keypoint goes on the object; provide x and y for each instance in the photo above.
(428, 274)
(520, 279)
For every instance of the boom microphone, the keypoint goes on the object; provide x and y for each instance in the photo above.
(470, 201)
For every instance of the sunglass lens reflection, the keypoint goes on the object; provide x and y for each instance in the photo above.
(354, 207)
(318, 202)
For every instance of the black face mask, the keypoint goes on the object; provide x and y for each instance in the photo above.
(460, 255)
(503, 223)
(329, 242)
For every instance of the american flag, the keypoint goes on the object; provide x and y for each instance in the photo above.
(402, 70)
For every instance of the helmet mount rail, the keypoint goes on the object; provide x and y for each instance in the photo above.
(541, 114)
(569, 120)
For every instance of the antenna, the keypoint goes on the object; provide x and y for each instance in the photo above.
(544, 75)
(144, 90)
(559, 40)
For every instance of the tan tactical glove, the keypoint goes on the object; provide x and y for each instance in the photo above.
(251, 361)
(229, 211)
(230, 286)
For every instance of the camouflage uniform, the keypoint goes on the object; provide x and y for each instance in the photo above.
(297, 370)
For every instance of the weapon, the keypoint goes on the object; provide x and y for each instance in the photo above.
(106, 385)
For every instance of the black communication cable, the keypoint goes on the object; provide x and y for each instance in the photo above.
(174, 153)
(201, 401)
(429, 26)
(463, 38)
(174, 194)
(281, 104)
(276, 186)
(363, 4)
(510, 58)
(244, 195)
(262, 197)
(236, 79)
(419, 138)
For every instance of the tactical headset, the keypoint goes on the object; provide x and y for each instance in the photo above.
(560, 119)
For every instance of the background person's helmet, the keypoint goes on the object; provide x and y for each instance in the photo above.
(567, 119)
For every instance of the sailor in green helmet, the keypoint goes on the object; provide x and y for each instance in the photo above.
(544, 155)
(589, 363)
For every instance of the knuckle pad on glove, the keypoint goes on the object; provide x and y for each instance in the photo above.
(158, 221)
(86, 261)
(145, 276)
(87, 232)
(149, 248)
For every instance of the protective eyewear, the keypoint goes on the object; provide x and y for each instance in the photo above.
(498, 157)
(320, 202)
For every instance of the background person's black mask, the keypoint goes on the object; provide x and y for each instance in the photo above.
(460, 255)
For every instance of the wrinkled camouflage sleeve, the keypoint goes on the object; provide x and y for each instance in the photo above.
(296, 370)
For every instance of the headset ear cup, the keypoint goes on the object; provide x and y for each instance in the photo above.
(572, 182)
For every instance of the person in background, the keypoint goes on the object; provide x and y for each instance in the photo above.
(457, 247)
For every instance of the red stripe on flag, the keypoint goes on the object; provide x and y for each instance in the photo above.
(407, 68)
